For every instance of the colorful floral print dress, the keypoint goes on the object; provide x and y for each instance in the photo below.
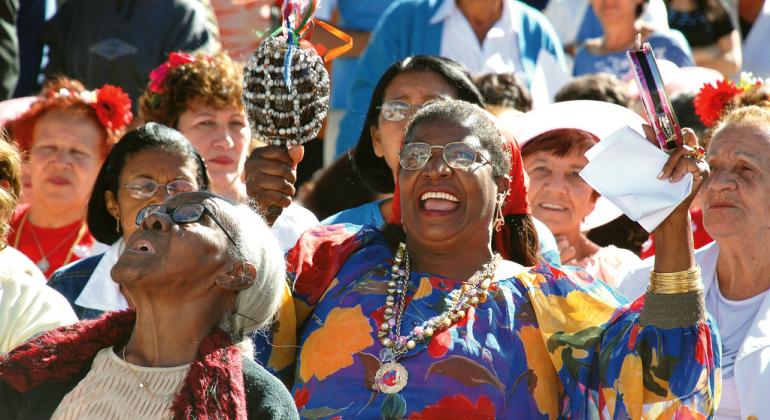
(544, 345)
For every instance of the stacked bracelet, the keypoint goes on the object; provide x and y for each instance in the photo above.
(674, 283)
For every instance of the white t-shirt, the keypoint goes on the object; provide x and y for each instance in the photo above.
(293, 221)
(733, 318)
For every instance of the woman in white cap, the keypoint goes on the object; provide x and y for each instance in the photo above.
(553, 155)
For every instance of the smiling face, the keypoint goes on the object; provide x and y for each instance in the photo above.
(557, 194)
(442, 205)
(222, 137)
(415, 88)
(64, 159)
(158, 254)
(148, 166)
(736, 196)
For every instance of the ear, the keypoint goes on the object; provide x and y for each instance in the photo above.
(4, 184)
(112, 204)
(503, 184)
(374, 132)
(241, 277)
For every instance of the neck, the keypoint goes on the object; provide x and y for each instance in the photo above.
(169, 334)
(618, 37)
(481, 14)
(583, 246)
(452, 262)
(47, 217)
(232, 189)
(742, 269)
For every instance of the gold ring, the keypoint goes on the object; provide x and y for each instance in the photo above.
(697, 153)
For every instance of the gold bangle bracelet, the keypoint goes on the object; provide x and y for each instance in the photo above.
(679, 282)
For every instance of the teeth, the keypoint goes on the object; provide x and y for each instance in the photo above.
(551, 206)
(439, 196)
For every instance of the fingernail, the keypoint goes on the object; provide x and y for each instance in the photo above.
(660, 175)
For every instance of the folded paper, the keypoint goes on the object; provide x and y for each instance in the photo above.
(623, 168)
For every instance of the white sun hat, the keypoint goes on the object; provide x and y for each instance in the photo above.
(598, 118)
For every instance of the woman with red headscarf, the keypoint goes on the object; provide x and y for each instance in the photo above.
(66, 135)
(429, 319)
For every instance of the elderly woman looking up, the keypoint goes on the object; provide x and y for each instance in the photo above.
(147, 166)
(736, 214)
(427, 321)
(200, 96)
(66, 133)
(201, 272)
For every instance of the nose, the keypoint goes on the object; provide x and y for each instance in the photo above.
(436, 166)
(62, 158)
(224, 139)
(157, 221)
(161, 194)
(554, 182)
(720, 180)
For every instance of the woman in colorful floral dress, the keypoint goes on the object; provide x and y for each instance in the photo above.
(413, 330)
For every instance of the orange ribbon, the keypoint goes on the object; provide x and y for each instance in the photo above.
(342, 49)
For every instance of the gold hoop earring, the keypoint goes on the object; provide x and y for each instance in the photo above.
(117, 224)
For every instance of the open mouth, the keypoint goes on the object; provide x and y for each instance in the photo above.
(142, 246)
(552, 207)
(437, 201)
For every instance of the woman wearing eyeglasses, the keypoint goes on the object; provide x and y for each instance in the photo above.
(147, 166)
(426, 320)
(202, 273)
(403, 88)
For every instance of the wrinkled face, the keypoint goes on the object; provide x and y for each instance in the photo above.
(222, 137)
(736, 196)
(141, 171)
(64, 159)
(414, 88)
(558, 195)
(443, 205)
(615, 11)
(158, 254)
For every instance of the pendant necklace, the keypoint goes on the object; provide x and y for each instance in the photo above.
(392, 376)
(43, 264)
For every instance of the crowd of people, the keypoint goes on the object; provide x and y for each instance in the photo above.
(437, 252)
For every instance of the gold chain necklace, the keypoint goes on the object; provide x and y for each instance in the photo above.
(392, 376)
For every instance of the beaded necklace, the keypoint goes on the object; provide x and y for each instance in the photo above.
(392, 376)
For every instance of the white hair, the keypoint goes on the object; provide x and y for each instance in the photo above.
(256, 305)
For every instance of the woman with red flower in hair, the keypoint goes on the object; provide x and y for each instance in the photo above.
(65, 134)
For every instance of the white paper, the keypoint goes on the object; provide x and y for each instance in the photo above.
(624, 168)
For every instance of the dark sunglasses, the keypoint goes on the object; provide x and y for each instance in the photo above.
(183, 213)
(457, 155)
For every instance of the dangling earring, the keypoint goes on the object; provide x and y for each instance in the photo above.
(499, 218)
(117, 224)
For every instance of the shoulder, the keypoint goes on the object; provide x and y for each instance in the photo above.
(75, 272)
(14, 263)
(365, 214)
(266, 396)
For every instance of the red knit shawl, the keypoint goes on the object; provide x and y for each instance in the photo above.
(213, 387)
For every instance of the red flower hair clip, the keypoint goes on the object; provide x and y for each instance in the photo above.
(113, 107)
(158, 76)
(711, 101)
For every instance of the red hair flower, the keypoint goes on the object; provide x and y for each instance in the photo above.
(712, 100)
(113, 107)
(158, 76)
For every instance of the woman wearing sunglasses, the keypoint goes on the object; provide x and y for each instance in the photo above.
(199, 283)
(147, 166)
(426, 320)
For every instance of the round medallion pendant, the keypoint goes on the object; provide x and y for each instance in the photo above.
(43, 264)
(390, 378)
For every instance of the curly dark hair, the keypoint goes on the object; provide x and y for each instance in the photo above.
(214, 81)
(504, 90)
(10, 171)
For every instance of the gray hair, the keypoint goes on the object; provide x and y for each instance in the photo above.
(256, 305)
(472, 117)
